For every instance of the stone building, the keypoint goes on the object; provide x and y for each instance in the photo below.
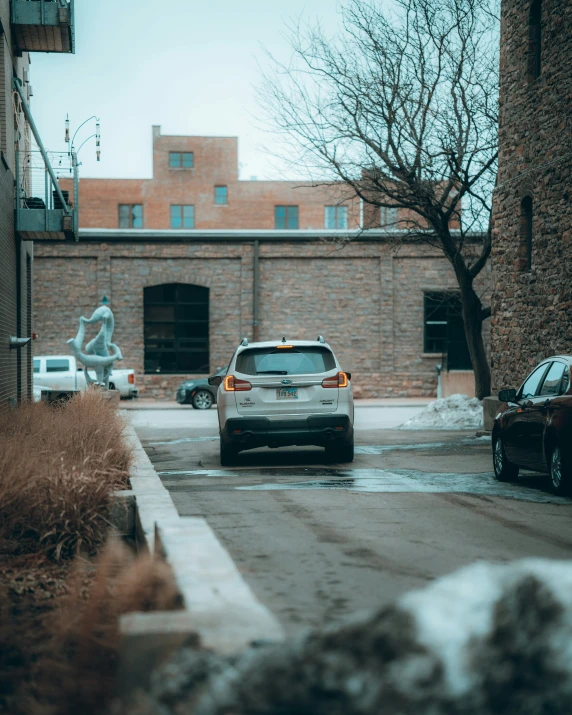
(532, 247)
(25, 27)
(194, 259)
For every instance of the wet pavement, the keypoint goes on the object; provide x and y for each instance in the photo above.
(318, 541)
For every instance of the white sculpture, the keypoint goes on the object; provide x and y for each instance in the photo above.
(97, 355)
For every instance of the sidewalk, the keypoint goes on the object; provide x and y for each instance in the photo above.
(148, 404)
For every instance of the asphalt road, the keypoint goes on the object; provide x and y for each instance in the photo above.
(318, 542)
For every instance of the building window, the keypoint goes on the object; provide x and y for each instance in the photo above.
(534, 40)
(220, 194)
(130, 215)
(335, 217)
(178, 159)
(526, 226)
(176, 329)
(444, 330)
(182, 216)
(388, 217)
(285, 217)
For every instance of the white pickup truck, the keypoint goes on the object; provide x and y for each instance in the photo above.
(61, 373)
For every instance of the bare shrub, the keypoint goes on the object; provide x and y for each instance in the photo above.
(59, 467)
(78, 673)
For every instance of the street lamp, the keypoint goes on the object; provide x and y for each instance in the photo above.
(97, 135)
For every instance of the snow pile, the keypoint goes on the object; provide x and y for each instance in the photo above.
(486, 640)
(454, 412)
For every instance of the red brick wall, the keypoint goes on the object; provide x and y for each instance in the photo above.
(250, 203)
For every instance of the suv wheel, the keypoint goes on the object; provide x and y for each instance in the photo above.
(341, 452)
(559, 472)
(228, 455)
(505, 471)
(202, 400)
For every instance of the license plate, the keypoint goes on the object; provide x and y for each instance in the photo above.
(287, 393)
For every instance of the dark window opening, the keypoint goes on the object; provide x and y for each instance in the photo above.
(444, 329)
(526, 228)
(285, 217)
(130, 215)
(176, 329)
(534, 40)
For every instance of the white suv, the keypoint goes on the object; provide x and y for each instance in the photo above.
(283, 393)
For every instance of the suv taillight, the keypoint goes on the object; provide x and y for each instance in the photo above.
(131, 378)
(233, 384)
(339, 380)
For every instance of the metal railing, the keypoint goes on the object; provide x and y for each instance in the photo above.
(38, 185)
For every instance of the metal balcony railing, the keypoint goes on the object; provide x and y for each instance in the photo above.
(43, 25)
(42, 209)
(46, 209)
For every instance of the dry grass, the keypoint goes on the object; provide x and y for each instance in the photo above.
(79, 671)
(58, 469)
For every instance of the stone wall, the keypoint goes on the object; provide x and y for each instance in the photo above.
(532, 304)
(367, 301)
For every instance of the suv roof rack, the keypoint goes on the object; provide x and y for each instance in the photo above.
(244, 342)
(320, 339)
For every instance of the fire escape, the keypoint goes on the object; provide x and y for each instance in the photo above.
(44, 210)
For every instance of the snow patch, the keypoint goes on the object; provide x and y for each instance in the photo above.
(454, 412)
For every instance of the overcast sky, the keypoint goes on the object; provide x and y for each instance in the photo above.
(189, 66)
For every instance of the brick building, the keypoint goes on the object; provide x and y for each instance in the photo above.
(194, 259)
(25, 27)
(532, 249)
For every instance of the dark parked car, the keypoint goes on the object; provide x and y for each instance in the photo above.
(534, 429)
(198, 393)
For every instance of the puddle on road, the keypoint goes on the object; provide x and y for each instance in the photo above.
(531, 489)
(184, 440)
(381, 481)
(380, 449)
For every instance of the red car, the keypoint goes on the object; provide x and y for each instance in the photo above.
(533, 430)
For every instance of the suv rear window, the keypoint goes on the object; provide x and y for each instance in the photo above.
(285, 361)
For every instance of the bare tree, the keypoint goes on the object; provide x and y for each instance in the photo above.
(401, 107)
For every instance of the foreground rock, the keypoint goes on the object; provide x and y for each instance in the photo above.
(487, 639)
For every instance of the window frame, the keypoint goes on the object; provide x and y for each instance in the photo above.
(216, 189)
(337, 209)
(179, 344)
(131, 217)
(289, 209)
(182, 217)
(385, 221)
(180, 164)
(455, 350)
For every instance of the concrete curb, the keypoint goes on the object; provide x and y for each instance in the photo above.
(218, 605)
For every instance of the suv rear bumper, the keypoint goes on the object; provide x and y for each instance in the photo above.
(320, 430)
